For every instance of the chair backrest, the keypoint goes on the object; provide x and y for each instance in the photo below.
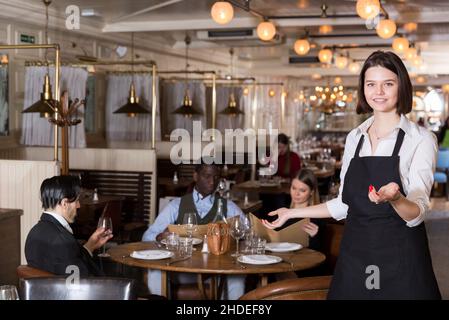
(25, 271)
(61, 288)
(333, 236)
(443, 159)
(308, 288)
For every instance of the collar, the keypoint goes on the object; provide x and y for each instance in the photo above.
(403, 124)
(198, 197)
(61, 220)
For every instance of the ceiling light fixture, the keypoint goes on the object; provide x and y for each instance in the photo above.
(368, 9)
(132, 106)
(400, 44)
(266, 30)
(386, 28)
(302, 46)
(325, 55)
(222, 12)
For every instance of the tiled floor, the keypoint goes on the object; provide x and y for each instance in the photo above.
(437, 225)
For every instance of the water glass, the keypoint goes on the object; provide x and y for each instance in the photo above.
(258, 245)
(185, 247)
(172, 241)
(8, 292)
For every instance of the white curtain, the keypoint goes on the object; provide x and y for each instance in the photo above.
(225, 121)
(37, 130)
(4, 110)
(120, 127)
(172, 97)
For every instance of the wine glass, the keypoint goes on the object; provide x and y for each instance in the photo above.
(106, 223)
(221, 188)
(8, 292)
(237, 231)
(190, 223)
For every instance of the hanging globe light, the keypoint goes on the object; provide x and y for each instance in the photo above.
(266, 30)
(368, 9)
(445, 88)
(410, 53)
(400, 44)
(325, 55)
(354, 67)
(410, 27)
(417, 61)
(222, 12)
(386, 28)
(341, 62)
(325, 29)
(302, 46)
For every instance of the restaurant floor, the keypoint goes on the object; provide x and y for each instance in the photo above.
(437, 225)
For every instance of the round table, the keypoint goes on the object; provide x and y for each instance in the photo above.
(207, 263)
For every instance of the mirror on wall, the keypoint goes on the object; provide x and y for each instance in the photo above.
(4, 103)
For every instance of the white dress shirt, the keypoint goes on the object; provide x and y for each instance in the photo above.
(418, 155)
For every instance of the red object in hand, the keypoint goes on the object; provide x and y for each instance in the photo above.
(371, 188)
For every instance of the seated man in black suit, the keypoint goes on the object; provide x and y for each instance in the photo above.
(50, 245)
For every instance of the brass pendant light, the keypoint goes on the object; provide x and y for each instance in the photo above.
(132, 106)
(187, 109)
(232, 109)
(43, 105)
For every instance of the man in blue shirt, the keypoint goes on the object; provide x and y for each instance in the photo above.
(204, 202)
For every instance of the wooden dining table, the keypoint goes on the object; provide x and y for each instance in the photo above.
(216, 266)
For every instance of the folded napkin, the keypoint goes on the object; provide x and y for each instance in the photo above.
(259, 259)
(151, 254)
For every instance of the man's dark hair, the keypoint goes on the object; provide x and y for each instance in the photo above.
(392, 62)
(54, 189)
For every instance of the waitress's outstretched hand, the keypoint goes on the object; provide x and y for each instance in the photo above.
(283, 216)
(388, 192)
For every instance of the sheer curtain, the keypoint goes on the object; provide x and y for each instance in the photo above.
(172, 97)
(37, 131)
(120, 127)
(225, 121)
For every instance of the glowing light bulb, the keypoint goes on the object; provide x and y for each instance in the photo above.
(368, 9)
(266, 30)
(222, 12)
(386, 28)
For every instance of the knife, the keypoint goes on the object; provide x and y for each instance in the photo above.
(177, 260)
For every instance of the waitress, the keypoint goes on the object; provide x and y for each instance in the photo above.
(387, 176)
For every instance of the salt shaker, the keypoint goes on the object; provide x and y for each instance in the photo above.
(205, 248)
(246, 201)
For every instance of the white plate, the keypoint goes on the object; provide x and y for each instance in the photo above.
(259, 259)
(282, 246)
(151, 254)
(195, 241)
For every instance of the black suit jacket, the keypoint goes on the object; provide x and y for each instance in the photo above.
(50, 247)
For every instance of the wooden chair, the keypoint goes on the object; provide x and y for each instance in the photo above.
(309, 288)
(333, 236)
(26, 272)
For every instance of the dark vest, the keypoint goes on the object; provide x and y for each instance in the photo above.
(187, 205)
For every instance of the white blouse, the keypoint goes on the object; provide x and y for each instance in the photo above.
(418, 155)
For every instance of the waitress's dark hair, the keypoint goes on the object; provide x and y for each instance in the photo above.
(392, 62)
(57, 188)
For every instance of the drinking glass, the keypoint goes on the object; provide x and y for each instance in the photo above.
(106, 223)
(8, 292)
(190, 223)
(237, 231)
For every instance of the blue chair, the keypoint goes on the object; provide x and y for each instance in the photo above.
(442, 172)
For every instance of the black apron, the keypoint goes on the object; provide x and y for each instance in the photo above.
(375, 235)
